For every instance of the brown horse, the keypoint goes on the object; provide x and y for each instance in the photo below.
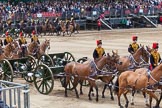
(145, 82)
(8, 51)
(63, 27)
(17, 51)
(138, 59)
(33, 49)
(90, 71)
(106, 78)
(44, 46)
(144, 71)
(71, 29)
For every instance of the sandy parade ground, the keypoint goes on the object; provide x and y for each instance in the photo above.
(82, 45)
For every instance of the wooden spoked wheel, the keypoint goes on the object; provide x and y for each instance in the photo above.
(31, 65)
(6, 70)
(45, 59)
(43, 79)
(68, 57)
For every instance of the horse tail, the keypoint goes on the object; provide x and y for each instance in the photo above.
(116, 88)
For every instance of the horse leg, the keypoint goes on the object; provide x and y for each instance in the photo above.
(75, 85)
(96, 92)
(70, 33)
(81, 84)
(89, 94)
(160, 98)
(152, 95)
(146, 99)
(111, 92)
(121, 91)
(103, 96)
(63, 33)
(67, 32)
(132, 98)
(125, 96)
(67, 79)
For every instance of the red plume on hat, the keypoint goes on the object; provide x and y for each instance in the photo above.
(99, 42)
(7, 33)
(134, 38)
(33, 32)
(155, 45)
(21, 34)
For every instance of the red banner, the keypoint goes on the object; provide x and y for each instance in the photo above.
(47, 14)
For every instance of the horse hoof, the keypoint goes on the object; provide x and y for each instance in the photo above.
(81, 93)
(66, 95)
(90, 99)
(147, 105)
(156, 107)
(93, 94)
(132, 103)
(103, 96)
(112, 98)
(121, 106)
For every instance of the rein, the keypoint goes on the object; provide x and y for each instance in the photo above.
(97, 69)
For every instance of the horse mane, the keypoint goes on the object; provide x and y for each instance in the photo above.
(157, 68)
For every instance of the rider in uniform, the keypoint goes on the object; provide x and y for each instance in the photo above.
(34, 37)
(72, 22)
(99, 51)
(155, 56)
(22, 40)
(8, 39)
(134, 46)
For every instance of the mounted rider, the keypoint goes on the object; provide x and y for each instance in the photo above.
(134, 46)
(22, 43)
(155, 56)
(72, 22)
(99, 51)
(8, 38)
(34, 37)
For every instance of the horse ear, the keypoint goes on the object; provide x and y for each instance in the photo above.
(113, 51)
(108, 54)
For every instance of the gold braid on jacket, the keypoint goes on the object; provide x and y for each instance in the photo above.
(100, 52)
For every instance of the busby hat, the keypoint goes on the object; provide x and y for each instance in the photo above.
(99, 42)
(134, 38)
(155, 45)
(33, 32)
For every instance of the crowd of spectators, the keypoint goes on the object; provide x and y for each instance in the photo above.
(70, 8)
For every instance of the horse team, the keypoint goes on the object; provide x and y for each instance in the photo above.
(43, 27)
(132, 74)
(13, 51)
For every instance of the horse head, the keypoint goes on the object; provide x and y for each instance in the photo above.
(33, 45)
(111, 61)
(145, 55)
(9, 47)
(142, 54)
(115, 56)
